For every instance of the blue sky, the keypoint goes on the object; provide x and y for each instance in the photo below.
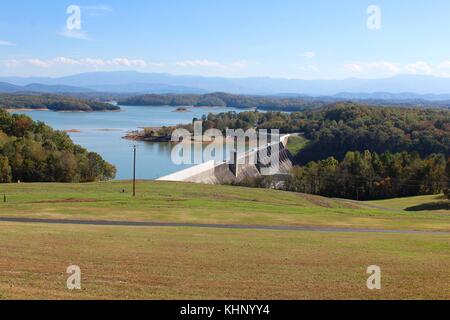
(307, 39)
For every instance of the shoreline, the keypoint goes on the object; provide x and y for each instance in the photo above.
(27, 109)
(137, 136)
(65, 111)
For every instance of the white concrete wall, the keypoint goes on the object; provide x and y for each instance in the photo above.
(186, 174)
(189, 172)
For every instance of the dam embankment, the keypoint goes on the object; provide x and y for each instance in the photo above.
(245, 165)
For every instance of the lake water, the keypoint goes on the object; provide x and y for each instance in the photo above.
(102, 132)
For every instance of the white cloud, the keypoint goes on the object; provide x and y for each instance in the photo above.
(91, 62)
(209, 64)
(419, 67)
(12, 63)
(241, 64)
(200, 63)
(6, 43)
(443, 69)
(129, 63)
(311, 67)
(384, 66)
(309, 54)
(352, 67)
(444, 65)
(39, 63)
(65, 60)
(375, 66)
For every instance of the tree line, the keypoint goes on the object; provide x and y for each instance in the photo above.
(369, 175)
(342, 127)
(33, 152)
(358, 151)
(52, 102)
(220, 99)
(288, 103)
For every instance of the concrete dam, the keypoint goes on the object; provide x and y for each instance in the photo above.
(244, 165)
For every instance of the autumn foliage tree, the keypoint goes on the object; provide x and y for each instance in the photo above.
(369, 175)
(447, 174)
(33, 152)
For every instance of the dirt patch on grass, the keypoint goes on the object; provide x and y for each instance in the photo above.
(318, 201)
(69, 200)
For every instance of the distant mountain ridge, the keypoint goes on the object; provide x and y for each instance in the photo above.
(402, 86)
(41, 88)
(14, 85)
(146, 87)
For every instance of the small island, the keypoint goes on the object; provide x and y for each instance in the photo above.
(151, 134)
(182, 109)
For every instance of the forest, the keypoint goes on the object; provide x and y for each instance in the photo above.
(341, 127)
(288, 103)
(33, 152)
(52, 102)
(360, 152)
(219, 99)
(369, 175)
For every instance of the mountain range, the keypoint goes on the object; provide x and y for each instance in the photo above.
(398, 87)
(6, 87)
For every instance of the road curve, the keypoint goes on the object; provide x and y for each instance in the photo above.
(214, 226)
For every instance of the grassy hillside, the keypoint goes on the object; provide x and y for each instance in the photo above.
(296, 143)
(207, 263)
(435, 203)
(195, 203)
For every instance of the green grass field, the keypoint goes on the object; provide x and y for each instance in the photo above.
(296, 143)
(206, 263)
(190, 263)
(434, 203)
(196, 203)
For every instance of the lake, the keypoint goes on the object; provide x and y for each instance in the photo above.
(102, 132)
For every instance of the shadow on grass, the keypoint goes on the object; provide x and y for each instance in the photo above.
(443, 205)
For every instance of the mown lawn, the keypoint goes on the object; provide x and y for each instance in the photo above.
(296, 143)
(435, 203)
(190, 263)
(204, 263)
(194, 203)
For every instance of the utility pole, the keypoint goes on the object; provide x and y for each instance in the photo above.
(134, 171)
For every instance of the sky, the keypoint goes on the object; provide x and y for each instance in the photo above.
(302, 39)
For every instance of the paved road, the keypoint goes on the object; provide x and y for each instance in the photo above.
(215, 226)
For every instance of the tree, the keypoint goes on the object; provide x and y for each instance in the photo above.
(5, 170)
(447, 173)
(33, 152)
(367, 176)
